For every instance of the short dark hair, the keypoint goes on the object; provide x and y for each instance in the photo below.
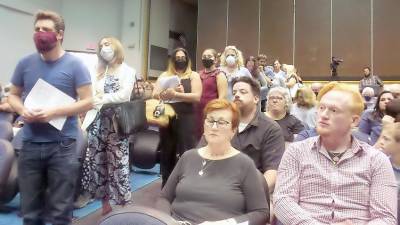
(367, 67)
(254, 85)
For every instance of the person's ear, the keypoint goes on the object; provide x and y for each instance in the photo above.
(60, 35)
(355, 120)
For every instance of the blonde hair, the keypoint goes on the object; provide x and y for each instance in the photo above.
(392, 129)
(118, 54)
(309, 97)
(357, 104)
(238, 53)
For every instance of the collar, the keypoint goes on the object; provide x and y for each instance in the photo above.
(355, 145)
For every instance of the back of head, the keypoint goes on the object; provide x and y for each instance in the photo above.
(368, 91)
(357, 102)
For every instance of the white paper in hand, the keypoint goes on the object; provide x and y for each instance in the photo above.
(44, 96)
(169, 82)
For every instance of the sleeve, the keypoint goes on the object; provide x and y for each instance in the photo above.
(167, 195)
(383, 192)
(302, 135)
(379, 81)
(297, 126)
(287, 191)
(272, 148)
(81, 74)
(127, 80)
(256, 202)
(365, 124)
(18, 76)
(262, 79)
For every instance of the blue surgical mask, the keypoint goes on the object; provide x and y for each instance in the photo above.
(367, 98)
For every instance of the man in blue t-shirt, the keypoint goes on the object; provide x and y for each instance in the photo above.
(48, 162)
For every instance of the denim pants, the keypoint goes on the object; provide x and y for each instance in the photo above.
(47, 178)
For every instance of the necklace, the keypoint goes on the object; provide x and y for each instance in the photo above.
(204, 164)
(336, 156)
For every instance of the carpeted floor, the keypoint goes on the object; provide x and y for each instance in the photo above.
(145, 196)
(139, 180)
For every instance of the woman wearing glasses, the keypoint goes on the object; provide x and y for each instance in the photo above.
(216, 184)
(278, 109)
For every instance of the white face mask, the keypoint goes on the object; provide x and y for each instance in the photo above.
(231, 60)
(107, 53)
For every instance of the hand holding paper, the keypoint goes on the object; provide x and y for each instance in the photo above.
(169, 82)
(42, 99)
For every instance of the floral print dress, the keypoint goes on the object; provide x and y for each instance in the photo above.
(106, 163)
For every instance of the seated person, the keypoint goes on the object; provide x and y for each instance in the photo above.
(371, 120)
(395, 89)
(393, 110)
(369, 98)
(216, 184)
(389, 143)
(333, 178)
(4, 105)
(305, 107)
(278, 109)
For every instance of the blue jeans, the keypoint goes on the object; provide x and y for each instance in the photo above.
(47, 178)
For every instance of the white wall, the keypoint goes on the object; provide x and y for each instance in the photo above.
(86, 22)
(16, 29)
(159, 28)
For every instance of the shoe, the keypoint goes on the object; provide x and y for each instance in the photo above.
(82, 200)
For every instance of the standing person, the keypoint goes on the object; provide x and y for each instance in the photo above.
(179, 136)
(48, 163)
(214, 85)
(333, 178)
(257, 74)
(106, 163)
(370, 80)
(277, 76)
(232, 65)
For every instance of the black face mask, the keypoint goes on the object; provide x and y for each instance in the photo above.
(180, 64)
(207, 63)
(367, 98)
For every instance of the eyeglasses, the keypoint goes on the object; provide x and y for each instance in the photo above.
(275, 98)
(218, 123)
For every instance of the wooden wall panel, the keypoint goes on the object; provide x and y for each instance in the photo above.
(276, 34)
(313, 38)
(243, 26)
(211, 26)
(387, 39)
(351, 36)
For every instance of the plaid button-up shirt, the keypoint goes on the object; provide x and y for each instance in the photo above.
(311, 189)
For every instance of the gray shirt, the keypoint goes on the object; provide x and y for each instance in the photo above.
(228, 188)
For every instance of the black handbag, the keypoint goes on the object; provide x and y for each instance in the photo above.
(129, 117)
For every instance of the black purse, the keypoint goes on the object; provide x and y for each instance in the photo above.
(129, 117)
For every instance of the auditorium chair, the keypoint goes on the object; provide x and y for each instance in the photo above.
(8, 172)
(6, 130)
(144, 148)
(137, 215)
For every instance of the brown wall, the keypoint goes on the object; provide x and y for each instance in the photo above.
(302, 32)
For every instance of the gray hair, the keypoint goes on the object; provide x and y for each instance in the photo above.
(284, 92)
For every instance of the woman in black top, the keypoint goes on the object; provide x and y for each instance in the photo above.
(216, 184)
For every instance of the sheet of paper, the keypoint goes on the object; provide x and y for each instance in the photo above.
(169, 82)
(43, 96)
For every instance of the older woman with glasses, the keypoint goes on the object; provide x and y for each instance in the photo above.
(278, 109)
(216, 184)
